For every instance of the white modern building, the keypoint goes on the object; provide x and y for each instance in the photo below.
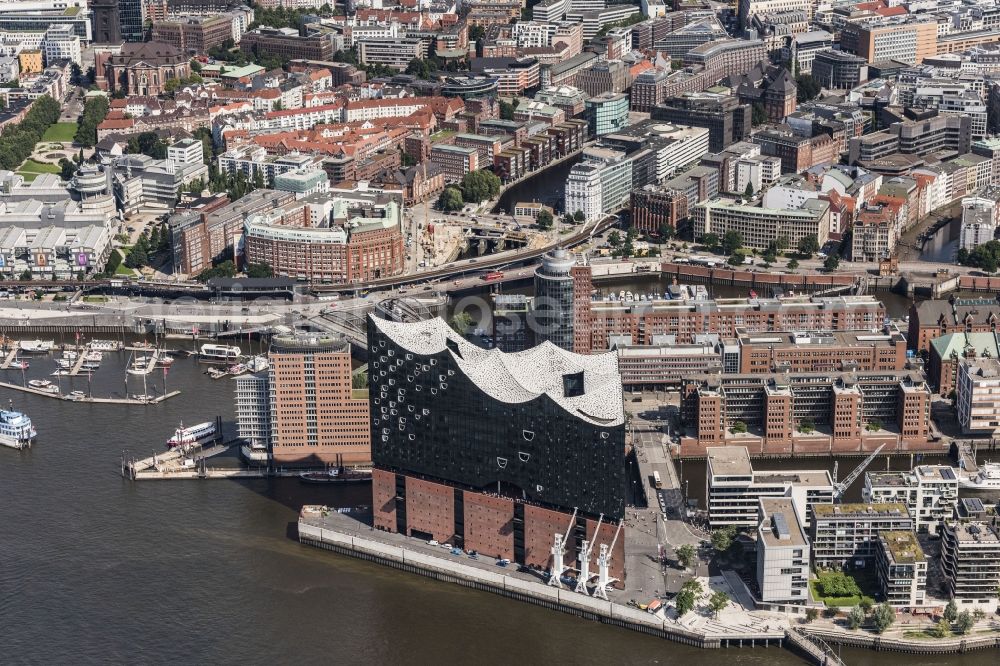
(978, 395)
(782, 552)
(61, 43)
(253, 414)
(734, 488)
(930, 493)
(979, 221)
(599, 184)
(970, 563)
(902, 569)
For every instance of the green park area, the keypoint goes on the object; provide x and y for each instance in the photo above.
(835, 588)
(32, 169)
(60, 132)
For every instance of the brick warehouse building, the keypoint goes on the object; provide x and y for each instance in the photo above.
(492, 451)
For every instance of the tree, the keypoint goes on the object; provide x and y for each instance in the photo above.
(95, 110)
(836, 583)
(748, 192)
(855, 618)
(507, 110)
(874, 425)
(739, 427)
(579, 216)
(811, 614)
(685, 555)
(614, 239)
(461, 323)
(883, 617)
(66, 169)
(832, 262)
(732, 241)
(979, 615)
(866, 605)
(568, 219)
(685, 602)
(965, 622)
(735, 260)
(666, 231)
(807, 425)
(808, 245)
(480, 185)
(807, 87)
(544, 219)
(260, 270)
(710, 240)
(25, 276)
(781, 243)
(951, 611)
(985, 256)
(758, 115)
(692, 585)
(718, 601)
(793, 264)
(450, 199)
(941, 630)
(723, 537)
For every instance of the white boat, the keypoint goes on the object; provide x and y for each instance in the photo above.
(77, 395)
(64, 363)
(94, 356)
(165, 361)
(16, 430)
(69, 355)
(19, 364)
(258, 364)
(238, 369)
(142, 397)
(211, 353)
(196, 434)
(105, 345)
(988, 478)
(60, 373)
(39, 383)
(36, 346)
(143, 365)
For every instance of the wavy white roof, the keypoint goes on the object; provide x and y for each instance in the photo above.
(522, 376)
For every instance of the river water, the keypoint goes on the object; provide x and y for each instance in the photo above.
(98, 569)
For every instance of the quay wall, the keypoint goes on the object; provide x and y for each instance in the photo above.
(553, 598)
(885, 644)
(756, 279)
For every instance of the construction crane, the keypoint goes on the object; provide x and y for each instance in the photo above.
(840, 488)
(559, 552)
(585, 550)
(603, 563)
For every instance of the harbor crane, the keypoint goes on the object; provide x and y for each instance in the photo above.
(840, 488)
(585, 550)
(559, 553)
(603, 563)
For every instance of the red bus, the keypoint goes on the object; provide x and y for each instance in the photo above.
(493, 275)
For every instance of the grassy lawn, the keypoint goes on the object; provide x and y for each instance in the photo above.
(124, 270)
(95, 299)
(61, 132)
(442, 135)
(32, 169)
(864, 581)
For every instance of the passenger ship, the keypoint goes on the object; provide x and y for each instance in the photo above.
(16, 430)
(196, 434)
(219, 353)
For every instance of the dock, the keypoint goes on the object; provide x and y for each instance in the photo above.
(80, 358)
(9, 358)
(88, 399)
(173, 463)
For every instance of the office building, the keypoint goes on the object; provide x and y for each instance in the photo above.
(761, 226)
(947, 350)
(454, 161)
(495, 452)
(286, 42)
(834, 351)
(394, 52)
(562, 290)
(898, 39)
(194, 34)
(782, 552)
(933, 318)
(253, 411)
(316, 417)
(664, 363)
(607, 113)
(726, 120)
(798, 412)
(61, 43)
(980, 218)
(978, 395)
(654, 207)
(970, 563)
(846, 536)
(735, 489)
(836, 70)
(325, 239)
(930, 493)
(902, 569)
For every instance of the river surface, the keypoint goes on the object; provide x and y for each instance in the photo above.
(97, 569)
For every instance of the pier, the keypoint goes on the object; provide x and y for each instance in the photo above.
(88, 399)
(328, 529)
(9, 358)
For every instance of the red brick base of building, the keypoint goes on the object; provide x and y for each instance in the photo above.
(495, 526)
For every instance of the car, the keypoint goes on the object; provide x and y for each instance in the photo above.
(502, 563)
(473, 554)
(447, 546)
(456, 551)
(433, 542)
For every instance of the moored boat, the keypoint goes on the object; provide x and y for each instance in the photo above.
(336, 475)
(196, 434)
(16, 430)
(212, 353)
(987, 478)
(36, 346)
(39, 383)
